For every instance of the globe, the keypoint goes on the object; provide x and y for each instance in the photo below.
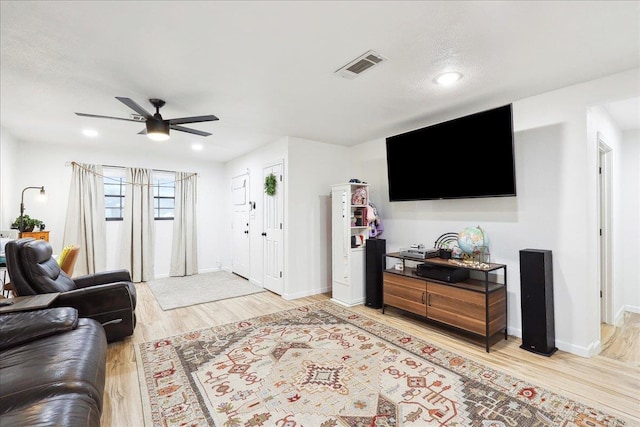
(471, 239)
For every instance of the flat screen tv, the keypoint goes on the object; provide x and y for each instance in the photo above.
(467, 157)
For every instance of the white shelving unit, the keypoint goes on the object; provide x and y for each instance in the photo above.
(349, 232)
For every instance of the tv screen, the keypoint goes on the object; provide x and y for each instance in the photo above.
(467, 157)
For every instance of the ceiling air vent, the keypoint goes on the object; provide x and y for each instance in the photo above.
(360, 65)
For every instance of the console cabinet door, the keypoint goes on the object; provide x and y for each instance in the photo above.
(405, 293)
(458, 307)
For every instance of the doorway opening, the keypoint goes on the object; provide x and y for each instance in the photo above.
(604, 222)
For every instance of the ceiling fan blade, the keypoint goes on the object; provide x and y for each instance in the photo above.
(196, 119)
(189, 130)
(135, 107)
(106, 117)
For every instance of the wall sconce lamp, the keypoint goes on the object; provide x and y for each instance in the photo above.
(43, 196)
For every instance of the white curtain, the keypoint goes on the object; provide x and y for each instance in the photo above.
(85, 221)
(184, 248)
(137, 252)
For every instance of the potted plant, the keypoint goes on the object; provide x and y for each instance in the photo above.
(444, 251)
(25, 223)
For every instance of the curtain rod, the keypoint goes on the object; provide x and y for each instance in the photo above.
(68, 163)
(122, 167)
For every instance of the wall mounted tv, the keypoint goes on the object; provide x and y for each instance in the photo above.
(467, 157)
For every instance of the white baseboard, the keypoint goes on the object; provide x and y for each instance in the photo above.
(596, 346)
(591, 350)
(618, 316)
(514, 332)
(306, 293)
(208, 270)
(344, 304)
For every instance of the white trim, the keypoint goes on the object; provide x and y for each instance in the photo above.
(605, 249)
(631, 308)
(307, 293)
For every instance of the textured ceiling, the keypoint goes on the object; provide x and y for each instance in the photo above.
(266, 68)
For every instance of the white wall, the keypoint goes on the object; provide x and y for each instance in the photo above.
(313, 168)
(556, 206)
(48, 165)
(629, 249)
(8, 212)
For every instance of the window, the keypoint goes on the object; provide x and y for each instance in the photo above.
(114, 186)
(114, 194)
(164, 190)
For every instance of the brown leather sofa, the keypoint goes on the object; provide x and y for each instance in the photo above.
(52, 369)
(108, 297)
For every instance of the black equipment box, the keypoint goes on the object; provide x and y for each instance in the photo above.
(445, 274)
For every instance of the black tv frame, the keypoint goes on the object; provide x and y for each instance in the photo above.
(414, 174)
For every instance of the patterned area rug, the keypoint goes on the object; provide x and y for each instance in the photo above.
(325, 366)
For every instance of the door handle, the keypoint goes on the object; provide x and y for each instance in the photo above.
(422, 299)
(264, 234)
(246, 231)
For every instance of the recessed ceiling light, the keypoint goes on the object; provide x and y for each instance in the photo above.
(196, 146)
(448, 78)
(91, 133)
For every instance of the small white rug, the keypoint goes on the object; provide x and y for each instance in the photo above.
(175, 292)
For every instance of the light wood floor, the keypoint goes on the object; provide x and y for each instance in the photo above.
(611, 383)
(622, 342)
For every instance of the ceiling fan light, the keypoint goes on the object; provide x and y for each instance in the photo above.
(157, 130)
(158, 136)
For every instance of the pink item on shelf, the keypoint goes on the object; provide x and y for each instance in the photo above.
(371, 215)
(359, 196)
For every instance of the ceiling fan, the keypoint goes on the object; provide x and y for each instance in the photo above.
(157, 128)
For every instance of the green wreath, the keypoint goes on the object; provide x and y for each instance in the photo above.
(270, 183)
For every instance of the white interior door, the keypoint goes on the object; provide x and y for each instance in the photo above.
(241, 254)
(273, 234)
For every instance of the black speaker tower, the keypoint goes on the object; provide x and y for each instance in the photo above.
(536, 301)
(374, 249)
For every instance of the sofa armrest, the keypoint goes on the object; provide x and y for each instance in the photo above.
(102, 278)
(26, 326)
(97, 299)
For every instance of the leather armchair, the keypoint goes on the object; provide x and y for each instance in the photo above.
(52, 369)
(108, 297)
